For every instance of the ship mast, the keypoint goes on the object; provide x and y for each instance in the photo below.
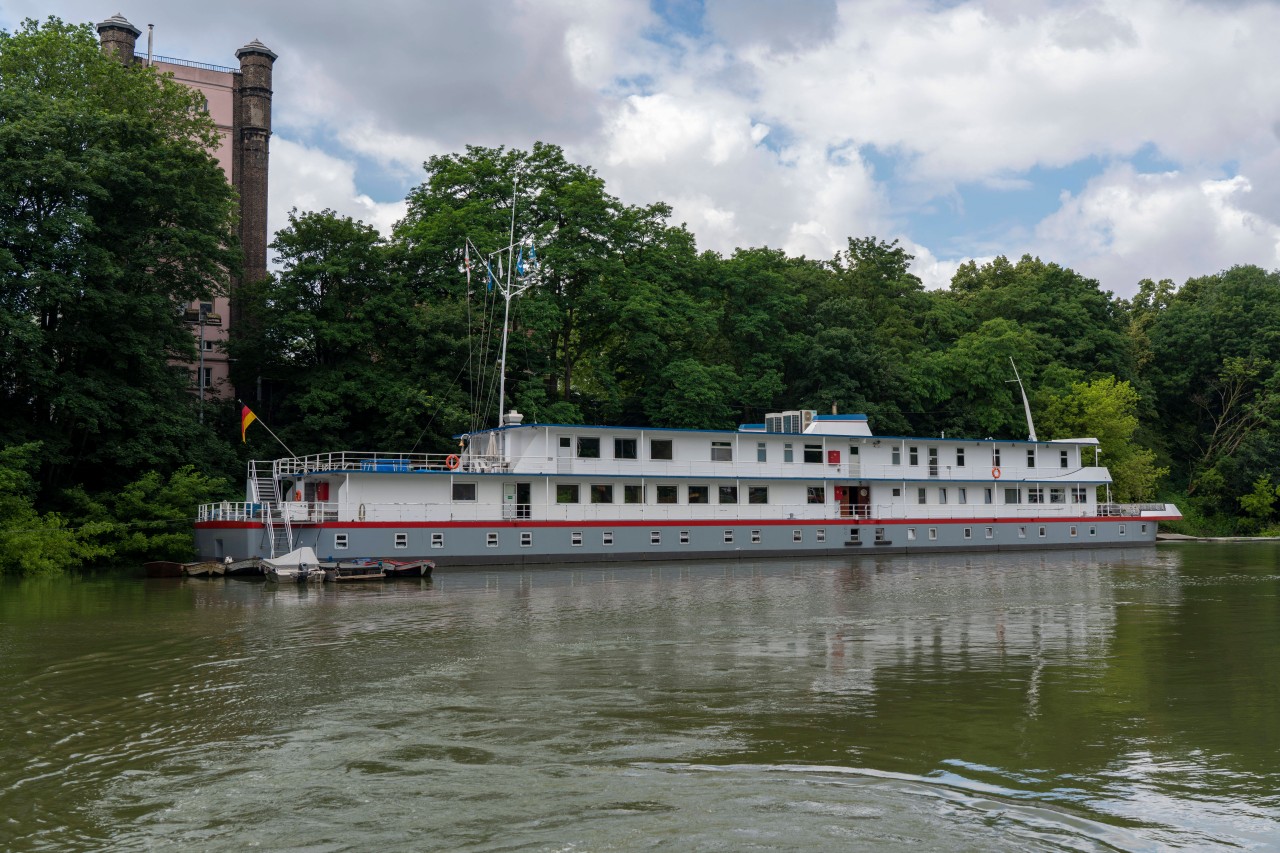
(1026, 407)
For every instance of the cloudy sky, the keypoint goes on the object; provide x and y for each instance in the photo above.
(1126, 140)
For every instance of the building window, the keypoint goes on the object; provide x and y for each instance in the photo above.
(437, 540)
(340, 541)
(668, 494)
(699, 494)
(606, 538)
(575, 539)
(566, 493)
(660, 448)
(655, 537)
(995, 456)
(208, 346)
(684, 537)
(757, 494)
(895, 456)
(1079, 494)
(633, 494)
(817, 494)
(491, 540)
(402, 540)
(813, 453)
(624, 448)
(526, 539)
(588, 448)
(922, 495)
(721, 451)
(933, 533)
(1031, 457)
(1012, 496)
(797, 535)
(762, 452)
(728, 537)
(1065, 457)
(911, 534)
(1057, 495)
(959, 457)
(962, 495)
(991, 532)
(1035, 495)
(601, 493)
(968, 533)
(208, 377)
(942, 495)
(820, 534)
(788, 453)
(728, 494)
(464, 491)
(913, 456)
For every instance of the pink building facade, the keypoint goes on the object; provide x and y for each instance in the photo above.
(239, 102)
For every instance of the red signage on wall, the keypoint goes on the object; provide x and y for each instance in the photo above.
(833, 457)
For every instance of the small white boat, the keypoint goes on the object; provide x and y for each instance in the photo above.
(298, 566)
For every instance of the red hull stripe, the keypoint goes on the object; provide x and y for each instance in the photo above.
(700, 522)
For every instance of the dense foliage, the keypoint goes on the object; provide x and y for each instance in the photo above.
(113, 216)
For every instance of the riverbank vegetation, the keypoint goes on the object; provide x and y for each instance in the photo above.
(113, 217)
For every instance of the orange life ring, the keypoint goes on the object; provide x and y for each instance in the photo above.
(995, 472)
(453, 461)
(297, 496)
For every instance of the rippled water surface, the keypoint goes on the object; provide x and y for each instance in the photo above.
(1108, 700)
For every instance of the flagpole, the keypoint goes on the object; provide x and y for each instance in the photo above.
(506, 310)
(268, 429)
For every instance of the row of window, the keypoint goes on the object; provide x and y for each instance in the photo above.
(1035, 495)
(913, 457)
(340, 540)
(589, 447)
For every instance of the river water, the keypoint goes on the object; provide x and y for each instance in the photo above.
(1088, 700)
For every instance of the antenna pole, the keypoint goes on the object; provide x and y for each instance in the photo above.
(1026, 407)
(506, 308)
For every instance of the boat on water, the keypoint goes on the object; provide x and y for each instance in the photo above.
(205, 569)
(799, 484)
(353, 570)
(298, 566)
(408, 568)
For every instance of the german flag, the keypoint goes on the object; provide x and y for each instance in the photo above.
(246, 417)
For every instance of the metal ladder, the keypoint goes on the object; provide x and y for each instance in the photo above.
(266, 492)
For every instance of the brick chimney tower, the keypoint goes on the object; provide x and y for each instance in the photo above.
(251, 135)
(118, 38)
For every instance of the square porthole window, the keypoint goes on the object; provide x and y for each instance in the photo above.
(933, 533)
(728, 537)
(684, 537)
(491, 540)
(402, 540)
(820, 535)
(606, 538)
(526, 539)
(1121, 529)
(968, 533)
(575, 539)
(897, 491)
(655, 537)
(437, 540)
(797, 536)
(340, 541)
(755, 537)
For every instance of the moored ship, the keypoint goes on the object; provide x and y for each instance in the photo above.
(798, 484)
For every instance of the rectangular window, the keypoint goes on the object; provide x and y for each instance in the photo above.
(660, 448)
(922, 495)
(588, 448)
(728, 494)
(1065, 457)
(633, 494)
(491, 540)
(897, 491)
(655, 537)
(1073, 530)
(1121, 529)
(913, 455)
(1042, 531)
(668, 494)
(991, 532)
(757, 494)
(1143, 528)
(437, 540)
(762, 452)
(933, 533)
(606, 538)
(1022, 532)
(1057, 495)
(340, 541)
(684, 537)
(601, 493)
(820, 534)
(526, 539)
(987, 496)
(575, 539)
(1012, 496)
(933, 461)
(402, 540)
(566, 493)
(566, 442)
(817, 494)
(942, 495)
(813, 453)
(995, 456)
(1031, 457)
(968, 533)
(1093, 530)
(1035, 495)
(624, 448)
(208, 377)
(788, 453)
(959, 457)
(728, 537)
(797, 535)
(895, 456)
(699, 494)
(721, 451)
(464, 491)
(1079, 495)
(962, 495)
(911, 534)
(855, 535)
(208, 346)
